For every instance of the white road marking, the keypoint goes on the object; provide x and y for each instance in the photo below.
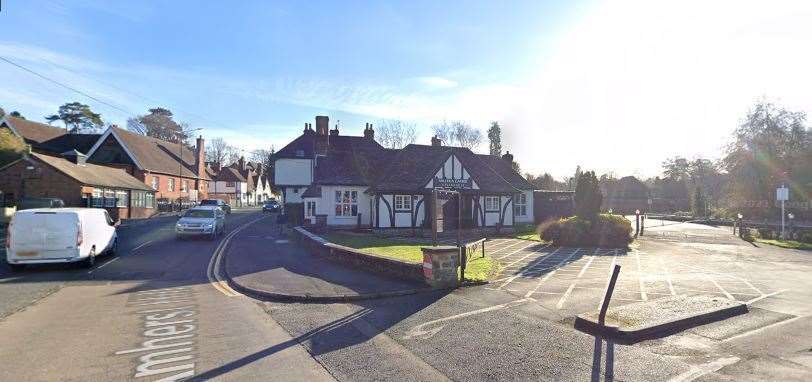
(282, 241)
(640, 277)
(517, 275)
(575, 281)
(420, 331)
(522, 249)
(102, 266)
(761, 329)
(710, 367)
(728, 295)
(547, 276)
(668, 277)
(142, 245)
(502, 246)
(608, 278)
(763, 296)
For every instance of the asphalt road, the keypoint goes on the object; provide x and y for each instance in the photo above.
(157, 302)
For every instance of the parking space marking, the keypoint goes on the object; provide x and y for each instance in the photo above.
(547, 276)
(575, 281)
(668, 277)
(608, 278)
(522, 249)
(500, 249)
(510, 279)
(640, 277)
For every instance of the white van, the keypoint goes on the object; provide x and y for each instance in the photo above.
(59, 235)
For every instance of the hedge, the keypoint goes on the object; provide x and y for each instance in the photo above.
(611, 231)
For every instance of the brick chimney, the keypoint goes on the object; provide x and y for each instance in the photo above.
(436, 141)
(241, 163)
(200, 156)
(322, 124)
(508, 157)
(368, 132)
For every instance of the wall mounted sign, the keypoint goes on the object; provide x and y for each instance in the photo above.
(453, 183)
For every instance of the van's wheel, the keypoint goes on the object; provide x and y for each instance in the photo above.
(17, 267)
(90, 261)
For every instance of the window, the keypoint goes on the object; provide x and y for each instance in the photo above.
(155, 182)
(403, 202)
(310, 209)
(520, 204)
(346, 203)
(299, 153)
(149, 200)
(230, 184)
(296, 190)
(121, 199)
(138, 199)
(109, 198)
(184, 186)
(491, 204)
(98, 200)
(170, 184)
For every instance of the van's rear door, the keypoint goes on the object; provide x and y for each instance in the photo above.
(44, 235)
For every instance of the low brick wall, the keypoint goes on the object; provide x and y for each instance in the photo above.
(354, 257)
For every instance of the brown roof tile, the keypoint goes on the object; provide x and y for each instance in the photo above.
(159, 156)
(92, 174)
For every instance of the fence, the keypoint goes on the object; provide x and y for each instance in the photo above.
(468, 251)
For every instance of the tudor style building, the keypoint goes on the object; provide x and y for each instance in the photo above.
(350, 180)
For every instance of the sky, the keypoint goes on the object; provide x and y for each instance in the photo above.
(614, 86)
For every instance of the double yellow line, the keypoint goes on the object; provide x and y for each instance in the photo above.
(213, 271)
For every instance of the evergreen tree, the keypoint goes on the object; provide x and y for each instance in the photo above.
(495, 136)
(77, 117)
(588, 196)
(700, 203)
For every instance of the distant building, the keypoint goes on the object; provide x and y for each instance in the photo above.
(349, 179)
(242, 183)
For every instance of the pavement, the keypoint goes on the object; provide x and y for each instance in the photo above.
(265, 263)
(160, 310)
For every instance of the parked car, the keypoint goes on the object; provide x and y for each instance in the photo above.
(271, 206)
(216, 202)
(31, 203)
(59, 235)
(206, 221)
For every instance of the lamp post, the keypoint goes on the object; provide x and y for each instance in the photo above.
(790, 216)
(740, 222)
(181, 135)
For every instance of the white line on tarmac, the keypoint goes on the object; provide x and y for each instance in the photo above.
(640, 277)
(575, 281)
(503, 247)
(608, 278)
(547, 276)
(763, 296)
(420, 331)
(102, 266)
(517, 275)
(763, 328)
(701, 370)
(668, 277)
(522, 249)
(728, 295)
(141, 246)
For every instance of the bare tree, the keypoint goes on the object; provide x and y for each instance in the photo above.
(262, 156)
(458, 133)
(396, 134)
(218, 151)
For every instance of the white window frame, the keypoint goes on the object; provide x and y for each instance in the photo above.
(98, 198)
(403, 203)
(184, 185)
(310, 209)
(520, 204)
(149, 200)
(491, 199)
(122, 199)
(170, 184)
(109, 198)
(344, 203)
(155, 183)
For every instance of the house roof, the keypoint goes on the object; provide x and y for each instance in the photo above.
(92, 174)
(48, 138)
(415, 165)
(156, 155)
(312, 191)
(307, 143)
(229, 174)
(505, 170)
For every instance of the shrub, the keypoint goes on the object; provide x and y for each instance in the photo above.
(611, 231)
(588, 196)
(805, 237)
(765, 233)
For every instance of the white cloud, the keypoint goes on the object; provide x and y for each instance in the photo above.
(437, 82)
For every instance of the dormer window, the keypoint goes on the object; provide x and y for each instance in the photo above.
(299, 153)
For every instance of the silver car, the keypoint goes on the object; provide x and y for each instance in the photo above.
(206, 221)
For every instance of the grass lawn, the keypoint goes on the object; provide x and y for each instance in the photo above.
(791, 244)
(408, 249)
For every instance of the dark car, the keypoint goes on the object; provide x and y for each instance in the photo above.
(271, 206)
(216, 202)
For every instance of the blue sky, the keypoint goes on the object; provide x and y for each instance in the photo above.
(616, 73)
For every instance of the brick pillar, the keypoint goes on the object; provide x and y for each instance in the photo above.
(440, 265)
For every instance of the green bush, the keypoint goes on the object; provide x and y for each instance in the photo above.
(765, 233)
(588, 196)
(805, 237)
(612, 231)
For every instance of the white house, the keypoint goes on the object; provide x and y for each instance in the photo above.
(350, 180)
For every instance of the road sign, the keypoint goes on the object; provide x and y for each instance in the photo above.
(782, 193)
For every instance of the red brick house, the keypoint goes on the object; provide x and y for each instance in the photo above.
(173, 170)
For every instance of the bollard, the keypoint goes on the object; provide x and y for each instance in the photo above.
(636, 225)
(609, 290)
(642, 224)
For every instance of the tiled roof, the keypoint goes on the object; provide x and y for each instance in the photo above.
(34, 132)
(505, 170)
(312, 191)
(229, 174)
(159, 156)
(66, 142)
(51, 139)
(92, 174)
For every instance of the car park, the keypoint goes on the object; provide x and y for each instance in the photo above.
(208, 221)
(218, 203)
(59, 235)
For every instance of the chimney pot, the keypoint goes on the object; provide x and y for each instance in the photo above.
(508, 157)
(322, 124)
(435, 141)
(369, 132)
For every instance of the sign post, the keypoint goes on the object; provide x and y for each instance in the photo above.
(782, 194)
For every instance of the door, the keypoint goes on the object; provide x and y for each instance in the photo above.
(450, 213)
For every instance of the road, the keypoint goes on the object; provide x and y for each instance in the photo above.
(157, 302)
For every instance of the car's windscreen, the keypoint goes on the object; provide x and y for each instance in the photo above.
(208, 203)
(199, 214)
